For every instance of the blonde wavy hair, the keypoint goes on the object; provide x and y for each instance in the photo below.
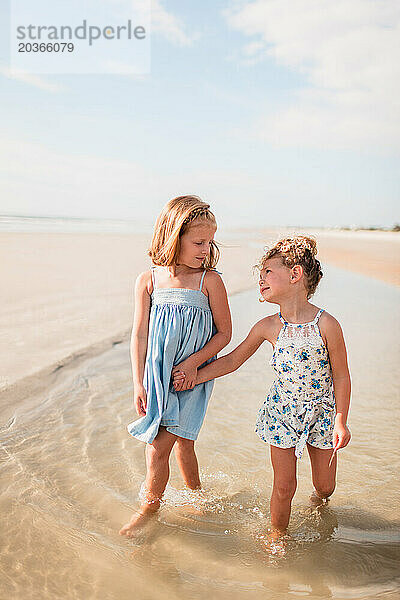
(298, 250)
(177, 216)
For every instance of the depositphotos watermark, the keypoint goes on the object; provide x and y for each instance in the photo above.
(84, 31)
(52, 37)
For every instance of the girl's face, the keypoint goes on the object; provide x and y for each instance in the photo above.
(195, 244)
(275, 280)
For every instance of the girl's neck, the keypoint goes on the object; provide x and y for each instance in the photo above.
(297, 310)
(179, 269)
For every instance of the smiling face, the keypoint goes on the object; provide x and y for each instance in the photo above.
(195, 244)
(276, 280)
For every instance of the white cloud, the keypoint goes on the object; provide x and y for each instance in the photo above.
(170, 26)
(31, 79)
(163, 22)
(349, 54)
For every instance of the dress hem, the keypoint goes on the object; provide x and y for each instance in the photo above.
(294, 446)
(174, 429)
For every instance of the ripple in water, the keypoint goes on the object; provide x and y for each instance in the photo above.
(70, 476)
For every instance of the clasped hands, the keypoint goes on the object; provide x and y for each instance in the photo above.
(184, 375)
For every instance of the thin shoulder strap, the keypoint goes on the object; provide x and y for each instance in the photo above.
(317, 316)
(282, 319)
(202, 279)
(153, 277)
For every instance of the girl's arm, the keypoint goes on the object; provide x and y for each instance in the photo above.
(218, 301)
(260, 332)
(341, 378)
(139, 335)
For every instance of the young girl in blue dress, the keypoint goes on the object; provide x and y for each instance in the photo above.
(308, 402)
(181, 316)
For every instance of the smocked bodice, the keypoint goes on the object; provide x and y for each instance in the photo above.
(180, 296)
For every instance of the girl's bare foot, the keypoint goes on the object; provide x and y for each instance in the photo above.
(275, 542)
(137, 522)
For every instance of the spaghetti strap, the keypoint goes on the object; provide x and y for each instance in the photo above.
(202, 279)
(282, 319)
(153, 277)
(317, 316)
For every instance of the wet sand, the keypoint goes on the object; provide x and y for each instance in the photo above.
(373, 253)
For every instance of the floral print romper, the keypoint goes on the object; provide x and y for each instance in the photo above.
(300, 406)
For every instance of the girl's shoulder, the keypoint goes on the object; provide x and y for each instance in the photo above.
(327, 320)
(269, 327)
(329, 326)
(144, 282)
(212, 281)
(212, 275)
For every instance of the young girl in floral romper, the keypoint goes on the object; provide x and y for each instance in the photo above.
(308, 402)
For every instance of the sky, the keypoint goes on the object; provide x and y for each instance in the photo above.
(276, 112)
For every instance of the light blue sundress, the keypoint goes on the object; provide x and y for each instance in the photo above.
(300, 406)
(180, 324)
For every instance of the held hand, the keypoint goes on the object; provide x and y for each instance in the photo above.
(178, 380)
(140, 400)
(187, 375)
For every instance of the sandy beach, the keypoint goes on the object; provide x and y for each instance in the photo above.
(63, 293)
(71, 474)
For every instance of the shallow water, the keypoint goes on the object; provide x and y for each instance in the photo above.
(71, 475)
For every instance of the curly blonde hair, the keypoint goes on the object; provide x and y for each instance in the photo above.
(177, 216)
(298, 250)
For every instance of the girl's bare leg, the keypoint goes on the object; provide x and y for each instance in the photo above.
(187, 462)
(323, 476)
(157, 460)
(284, 464)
